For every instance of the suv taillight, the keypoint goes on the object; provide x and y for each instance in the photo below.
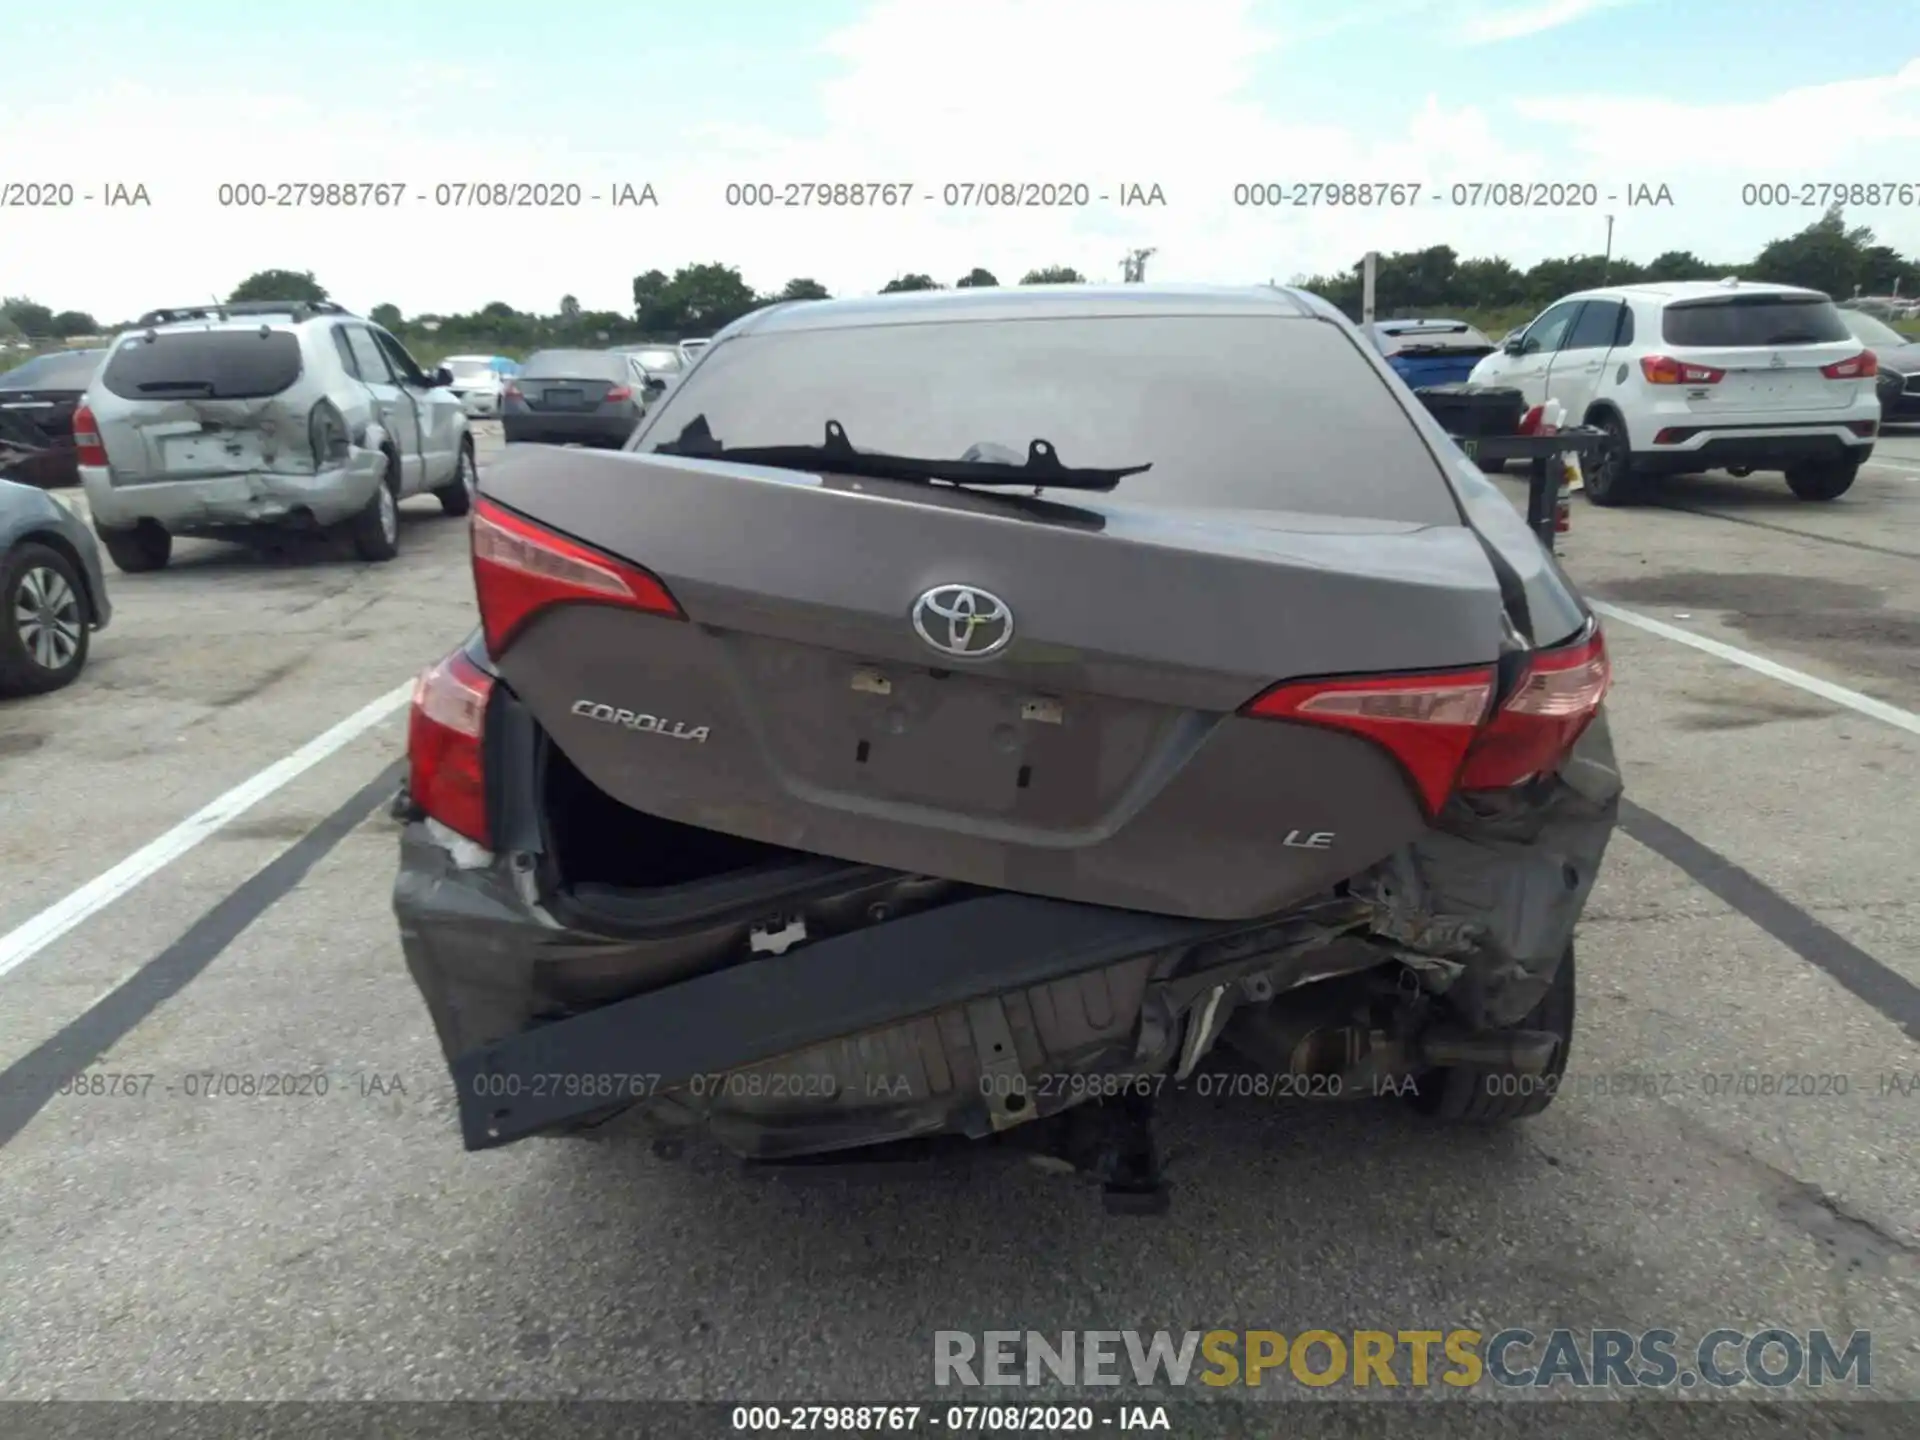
(521, 569)
(1438, 728)
(511, 391)
(86, 438)
(1665, 370)
(1863, 366)
(446, 732)
(620, 392)
(327, 434)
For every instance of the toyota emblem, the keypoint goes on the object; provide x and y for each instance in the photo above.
(964, 621)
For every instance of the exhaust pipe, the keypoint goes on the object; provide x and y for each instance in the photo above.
(1529, 1052)
(1740, 472)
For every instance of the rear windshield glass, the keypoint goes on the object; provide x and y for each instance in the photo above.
(1232, 412)
(574, 365)
(471, 369)
(205, 364)
(1453, 337)
(1754, 320)
(657, 359)
(70, 370)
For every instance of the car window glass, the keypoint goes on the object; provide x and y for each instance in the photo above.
(345, 347)
(400, 361)
(1546, 333)
(373, 365)
(1624, 335)
(1595, 328)
(1231, 413)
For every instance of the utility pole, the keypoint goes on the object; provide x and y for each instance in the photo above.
(1369, 268)
(1133, 269)
(1606, 264)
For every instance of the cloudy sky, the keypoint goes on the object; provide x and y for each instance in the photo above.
(1194, 96)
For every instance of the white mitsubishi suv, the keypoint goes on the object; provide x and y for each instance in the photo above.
(1702, 375)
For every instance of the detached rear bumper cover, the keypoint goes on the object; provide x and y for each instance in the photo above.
(900, 1029)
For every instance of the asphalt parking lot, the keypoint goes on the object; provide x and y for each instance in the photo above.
(1756, 917)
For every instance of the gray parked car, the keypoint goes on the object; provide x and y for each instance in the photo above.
(52, 590)
(575, 397)
(228, 420)
(957, 712)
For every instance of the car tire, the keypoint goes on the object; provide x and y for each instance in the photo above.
(1827, 481)
(375, 531)
(1610, 479)
(44, 621)
(136, 550)
(1491, 467)
(456, 496)
(1481, 1095)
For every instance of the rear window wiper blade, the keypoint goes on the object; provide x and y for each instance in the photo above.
(147, 387)
(1041, 469)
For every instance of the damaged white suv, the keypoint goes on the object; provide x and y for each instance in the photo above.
(227, 420)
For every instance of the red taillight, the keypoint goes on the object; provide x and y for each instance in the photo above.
(620, 392)
(446, 775)
(1863, 366)
(86, 438)
(1665, 370)
(1428, 722)
(521, 569)
(1532, 733)
(1438, 728)
(511, 392)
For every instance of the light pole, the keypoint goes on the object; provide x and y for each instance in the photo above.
(1606, 264)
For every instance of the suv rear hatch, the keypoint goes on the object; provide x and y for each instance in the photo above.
(734, 648)
(201, 403)
(1762, 351)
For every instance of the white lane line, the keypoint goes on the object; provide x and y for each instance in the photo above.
(1812, 684)
(24, 942)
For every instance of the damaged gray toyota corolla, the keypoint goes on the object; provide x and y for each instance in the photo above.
(960, 714)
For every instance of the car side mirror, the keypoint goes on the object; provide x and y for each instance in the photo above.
(654, 384)
(442, 376)
(1513, 346)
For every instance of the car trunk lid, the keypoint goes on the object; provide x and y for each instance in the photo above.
(1761, 351)
(1098, 754)
(200, 402)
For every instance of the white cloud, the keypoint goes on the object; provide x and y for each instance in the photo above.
(1106, 92)
(1487, 25)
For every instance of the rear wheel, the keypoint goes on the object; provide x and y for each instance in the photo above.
(1827, 481)
(456, 496)
(144, 547)
(43, 629)
(375, 531)
(1610, 478)
(1490, 467)
(1489, 1095)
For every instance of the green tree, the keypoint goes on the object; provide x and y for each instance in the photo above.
(976, 279)
(279, 285)
(1054, 275)
(387, 317)
(699, 300)
(803, 289)
(1828, 255)
(902, 283)
(569, 308)
(647, 290)
(1683, 265)
(69, 323)
(28, 317)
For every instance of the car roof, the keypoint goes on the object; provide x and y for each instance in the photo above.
(1030, 302)
(1666, 291)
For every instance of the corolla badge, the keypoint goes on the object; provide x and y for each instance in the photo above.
(635, 720)
(964, 621)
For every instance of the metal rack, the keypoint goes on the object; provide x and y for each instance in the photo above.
(1543, 481)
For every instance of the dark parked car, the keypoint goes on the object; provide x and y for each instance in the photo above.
(1430, 352)
(37, 401)
(1898, 384)
(53, 593)
(573, 397)
(925, 726)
